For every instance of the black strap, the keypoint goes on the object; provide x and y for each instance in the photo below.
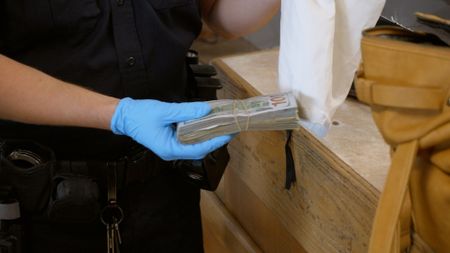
(112, 182)
(290, 165)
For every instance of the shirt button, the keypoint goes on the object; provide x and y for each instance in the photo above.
(131, 61)
(119, 2)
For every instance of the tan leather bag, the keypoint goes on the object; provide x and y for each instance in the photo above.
(405, 78)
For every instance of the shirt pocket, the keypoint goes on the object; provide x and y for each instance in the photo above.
(31, 21)
(167, 4)
(25, 20)
(74, 15)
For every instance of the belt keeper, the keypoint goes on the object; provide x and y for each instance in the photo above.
(9, 211)
(112, 182)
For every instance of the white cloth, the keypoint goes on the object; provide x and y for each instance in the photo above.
(320, 53)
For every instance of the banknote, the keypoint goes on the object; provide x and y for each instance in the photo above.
(229, 116)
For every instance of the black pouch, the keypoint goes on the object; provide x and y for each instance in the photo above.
(74, 199)
(27, 167)
(208, 172)
(205, 173)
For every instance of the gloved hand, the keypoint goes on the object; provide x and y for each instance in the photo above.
(150, 123)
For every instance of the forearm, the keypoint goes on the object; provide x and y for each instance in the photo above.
(30, 96)
(233, 18)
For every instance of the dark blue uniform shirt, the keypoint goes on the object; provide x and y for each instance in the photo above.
(121, 48)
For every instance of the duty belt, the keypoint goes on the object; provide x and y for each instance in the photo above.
(136, 167)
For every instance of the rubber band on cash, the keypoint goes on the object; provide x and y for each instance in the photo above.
(235, 106)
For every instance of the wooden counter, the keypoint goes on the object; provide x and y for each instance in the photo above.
(339, 178)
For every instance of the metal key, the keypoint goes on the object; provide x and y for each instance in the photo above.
(109, 239)
(117, 238)
(111, 217)
(117, 231)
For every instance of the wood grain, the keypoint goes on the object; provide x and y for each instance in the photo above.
(332, 205)
(259, 221)
(222, 233)
(353, 138)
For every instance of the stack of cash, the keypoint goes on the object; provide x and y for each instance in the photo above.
(228, 116)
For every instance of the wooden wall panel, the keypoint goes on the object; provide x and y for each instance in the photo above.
(221, 232)
(258, 220)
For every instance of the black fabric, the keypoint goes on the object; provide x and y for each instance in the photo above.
(134, 49)
(168, 220)
(29, 182)
(121, 48)
(161, 216)
(291, 177)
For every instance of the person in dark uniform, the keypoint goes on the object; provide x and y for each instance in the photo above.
(92, 80)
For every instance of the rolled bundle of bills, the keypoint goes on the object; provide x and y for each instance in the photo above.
(228, 116)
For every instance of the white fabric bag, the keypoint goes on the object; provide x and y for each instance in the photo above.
(320, 52)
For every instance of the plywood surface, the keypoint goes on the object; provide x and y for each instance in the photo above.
(222, 233)
(257, 218)
(354, 138)
(332, 205)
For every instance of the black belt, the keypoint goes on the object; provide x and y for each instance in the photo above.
(80, 189)
(135, 167)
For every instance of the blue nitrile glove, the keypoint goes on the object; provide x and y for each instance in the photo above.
(150, 122)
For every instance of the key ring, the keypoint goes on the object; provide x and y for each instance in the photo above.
(112, 211)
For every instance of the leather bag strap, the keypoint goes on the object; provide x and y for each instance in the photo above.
(374, 93)
(386, 223)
